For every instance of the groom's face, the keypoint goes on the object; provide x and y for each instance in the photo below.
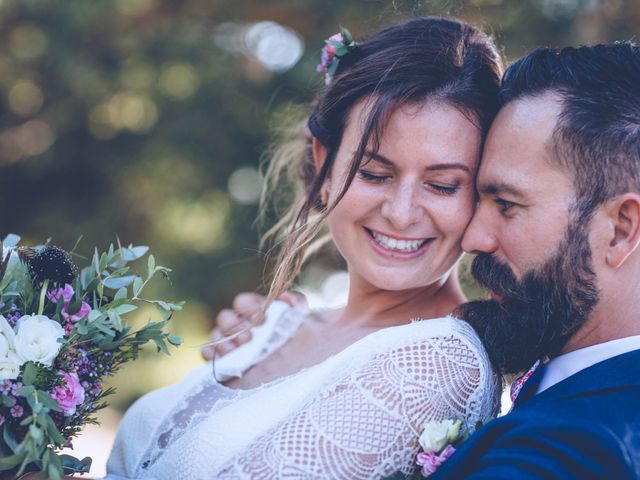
(533, 248)
(525, 197)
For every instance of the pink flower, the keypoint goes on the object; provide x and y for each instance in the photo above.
(328, 52)
(69, 395)
(66, 294)
(430, 462)
(330, 48)
(85, 309)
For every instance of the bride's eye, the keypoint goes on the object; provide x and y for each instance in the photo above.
(372, 177)
(443, 189)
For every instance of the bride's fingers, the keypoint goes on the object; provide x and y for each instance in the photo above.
(294, 299)
(250, 306)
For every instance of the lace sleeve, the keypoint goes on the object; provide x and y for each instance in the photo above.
(366, 424)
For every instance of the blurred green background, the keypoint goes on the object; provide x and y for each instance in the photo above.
(147, 119)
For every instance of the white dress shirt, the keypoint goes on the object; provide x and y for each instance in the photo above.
(566, 365)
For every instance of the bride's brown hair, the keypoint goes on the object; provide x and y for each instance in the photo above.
(424, 58)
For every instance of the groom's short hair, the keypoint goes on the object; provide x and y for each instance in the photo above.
(597, 134)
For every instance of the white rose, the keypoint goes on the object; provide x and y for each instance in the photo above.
(7, 337)
(10, 366)
(37, 339)
(436, 435)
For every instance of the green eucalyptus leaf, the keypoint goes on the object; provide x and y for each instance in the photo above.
(9, 437)
(119, 282)
(134, 253)
(137, 286)
(12, 461)
(151, 266)
(52, 430)
(11, 240)
(125, 308)
(47, 401)
(30, 373)
(73, 465)
(121, 294)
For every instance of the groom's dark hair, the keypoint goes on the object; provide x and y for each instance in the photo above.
(597, 135)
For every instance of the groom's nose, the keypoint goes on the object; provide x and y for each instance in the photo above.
(478, 238)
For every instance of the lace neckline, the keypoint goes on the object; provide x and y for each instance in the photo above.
(361, 341)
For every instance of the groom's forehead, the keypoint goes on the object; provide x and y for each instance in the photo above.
(519, 144)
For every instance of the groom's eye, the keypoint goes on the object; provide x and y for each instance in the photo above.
(504, 205)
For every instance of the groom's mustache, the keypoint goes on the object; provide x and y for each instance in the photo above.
(498, 278)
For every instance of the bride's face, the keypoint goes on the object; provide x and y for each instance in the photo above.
(401, 221)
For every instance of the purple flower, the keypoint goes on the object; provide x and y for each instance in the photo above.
(15, 387)
(430, 462)
(66, 294)
(69, 395)
(5, 387)
(16, 411)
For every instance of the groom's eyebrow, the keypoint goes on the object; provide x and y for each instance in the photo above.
(438, 166)
(497, 189)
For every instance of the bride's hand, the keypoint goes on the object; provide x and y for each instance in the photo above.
(246, 312)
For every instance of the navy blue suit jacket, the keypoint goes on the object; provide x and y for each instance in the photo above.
(585, 427)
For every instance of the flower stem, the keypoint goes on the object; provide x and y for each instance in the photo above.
(43, 294)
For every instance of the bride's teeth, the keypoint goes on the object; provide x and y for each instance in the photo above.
(395, 244)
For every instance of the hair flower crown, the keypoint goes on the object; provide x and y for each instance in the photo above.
(336, 46)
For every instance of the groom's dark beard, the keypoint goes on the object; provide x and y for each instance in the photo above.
(538, 313)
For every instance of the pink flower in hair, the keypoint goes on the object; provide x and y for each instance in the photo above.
(336, 46)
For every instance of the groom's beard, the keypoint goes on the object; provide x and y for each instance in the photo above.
(538, 313)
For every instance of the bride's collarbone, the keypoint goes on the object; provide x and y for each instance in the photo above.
(313, 343)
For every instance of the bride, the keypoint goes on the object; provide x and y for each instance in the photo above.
(388, 161)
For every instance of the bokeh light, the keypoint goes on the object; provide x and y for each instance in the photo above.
(244, 186)
(25, 98)
(27, 41)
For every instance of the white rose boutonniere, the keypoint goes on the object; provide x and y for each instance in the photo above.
(436, 435)
(37, 339)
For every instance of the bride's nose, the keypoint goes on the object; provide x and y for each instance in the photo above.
(401, 207)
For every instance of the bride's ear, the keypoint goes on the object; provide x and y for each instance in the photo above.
(319, 157)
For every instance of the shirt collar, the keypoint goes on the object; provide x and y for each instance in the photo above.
(570, 363)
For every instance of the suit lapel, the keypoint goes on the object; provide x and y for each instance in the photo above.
(616, 373)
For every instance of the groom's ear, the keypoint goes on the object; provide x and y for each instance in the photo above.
(320, 153)
(624, 215)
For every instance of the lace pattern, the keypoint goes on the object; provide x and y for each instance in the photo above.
(356, 415)
(367, 424)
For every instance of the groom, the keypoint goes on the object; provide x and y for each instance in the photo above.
(556, 235)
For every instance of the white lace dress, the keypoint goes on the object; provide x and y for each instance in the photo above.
(357, 414)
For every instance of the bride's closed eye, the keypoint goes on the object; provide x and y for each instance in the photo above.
(443, 189)
(372, 177)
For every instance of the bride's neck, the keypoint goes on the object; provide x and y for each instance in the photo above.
(370, 306)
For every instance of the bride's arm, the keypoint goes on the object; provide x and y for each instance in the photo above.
(368, 422)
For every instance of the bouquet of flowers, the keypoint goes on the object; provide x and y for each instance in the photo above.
(62, 330)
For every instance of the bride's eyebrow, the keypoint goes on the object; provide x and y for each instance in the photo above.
(371, 155)
(448, 166)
